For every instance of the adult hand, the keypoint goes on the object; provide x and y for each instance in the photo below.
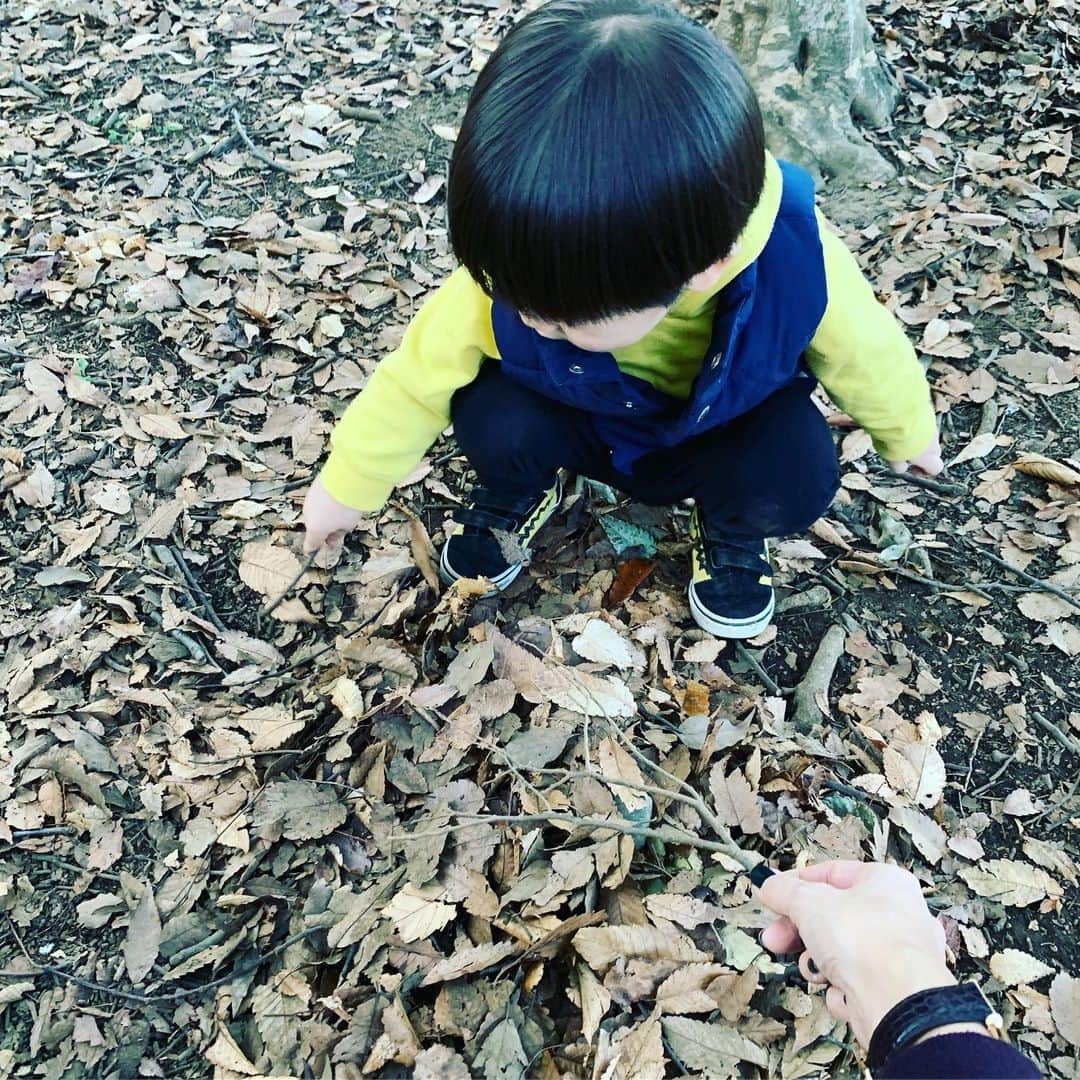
(862, 928)
(325, 517)
(928, 462)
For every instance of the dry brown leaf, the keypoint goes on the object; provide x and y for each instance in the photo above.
(1045, 607)
(267, 568)
(685, 990)
(468, 961)
(735, 801)
(1065, 1007)
(143, 937)
(1012, 967)
(936, 112)
(601, 946)
(616, 764)
(417, 914)
(594, 1001)
(1047, 469)
(1009, 882)
(635, 1053)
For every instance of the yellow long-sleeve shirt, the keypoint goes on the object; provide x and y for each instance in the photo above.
(859, 353)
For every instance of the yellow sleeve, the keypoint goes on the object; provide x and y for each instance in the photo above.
(865, 361)
(406, 403)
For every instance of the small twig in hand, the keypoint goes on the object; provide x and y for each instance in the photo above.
(938, 486)
(1043, 586)
(304, 568)
(746, 655)
(808, 713)
(262, 155)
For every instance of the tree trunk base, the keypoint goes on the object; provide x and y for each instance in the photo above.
(814, 67)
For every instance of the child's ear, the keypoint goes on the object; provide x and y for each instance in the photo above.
(707, 278)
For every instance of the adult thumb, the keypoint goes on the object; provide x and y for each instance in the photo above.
(779, 891)
(791, 895)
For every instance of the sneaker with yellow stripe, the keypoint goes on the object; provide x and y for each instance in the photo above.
(490, 537)
(731, 590)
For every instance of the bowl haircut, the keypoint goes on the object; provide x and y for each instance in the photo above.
(611, 149)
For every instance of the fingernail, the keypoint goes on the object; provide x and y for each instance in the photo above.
(811, 966)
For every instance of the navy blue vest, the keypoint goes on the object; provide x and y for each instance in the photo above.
(765, 318)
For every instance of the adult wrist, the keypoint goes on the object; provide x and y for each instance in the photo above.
(934, 1011)
(884, 990)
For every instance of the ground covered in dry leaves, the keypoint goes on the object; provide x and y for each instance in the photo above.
(243, 843)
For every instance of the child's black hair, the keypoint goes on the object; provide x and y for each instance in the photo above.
(611, 150)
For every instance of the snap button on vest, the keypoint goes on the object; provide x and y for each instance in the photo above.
(576, 369)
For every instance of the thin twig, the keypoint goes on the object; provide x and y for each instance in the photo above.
(873, 566)
(1043, 586)
(176, 995)
(51, 830)
(200, 593)
(211, 149)
(444, 67)
(746, 655)
(668, 834)
(937, 486)
(1053, 730)
(262, 155)
(304, 568)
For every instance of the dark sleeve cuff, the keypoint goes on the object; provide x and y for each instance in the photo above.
(959, 1056)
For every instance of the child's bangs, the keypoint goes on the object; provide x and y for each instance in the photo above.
(604, 160)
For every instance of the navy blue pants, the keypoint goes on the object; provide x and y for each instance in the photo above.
(770, 472)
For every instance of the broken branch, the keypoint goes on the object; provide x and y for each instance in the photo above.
(815, 683)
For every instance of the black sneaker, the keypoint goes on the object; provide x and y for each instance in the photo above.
(731, 593)
(490, 536)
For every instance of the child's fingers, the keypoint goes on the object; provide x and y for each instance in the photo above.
(312, 542)
(930, 465)
(781, 938)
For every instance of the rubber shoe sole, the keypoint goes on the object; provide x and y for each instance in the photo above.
(501, 582)
(733, 629)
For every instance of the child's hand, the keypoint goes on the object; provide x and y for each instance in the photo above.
(929, 461)
(325, 517)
